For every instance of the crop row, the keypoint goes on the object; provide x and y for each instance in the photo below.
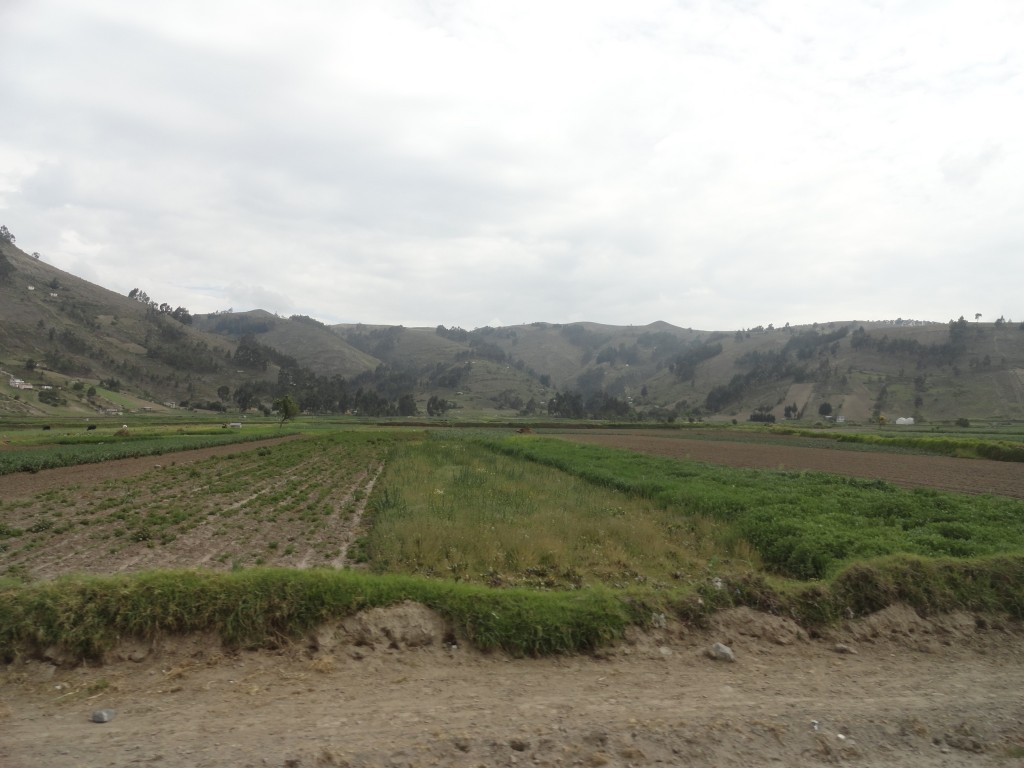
(802, 525)
(97, 450)
(284, 504)
(961, 447)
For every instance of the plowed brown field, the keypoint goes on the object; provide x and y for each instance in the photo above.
(909, 470)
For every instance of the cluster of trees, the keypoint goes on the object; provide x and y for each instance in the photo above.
(6, 268)
(382, 392)
(454, 333)
(378, 342)
(599, 405)
(620, 355)
(662, 344)
(912, 349)
(437, 406)
(805, 345)
(764, 367)
(180, 314)
(684, 366)
(186, 355)
(307, 320)
(763, 414)
(52, 397)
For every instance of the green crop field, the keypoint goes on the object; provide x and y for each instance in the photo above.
(498, 532)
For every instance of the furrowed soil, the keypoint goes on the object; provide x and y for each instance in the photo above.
(389, 687)
(1001, 478)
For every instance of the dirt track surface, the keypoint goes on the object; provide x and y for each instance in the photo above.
(1001, 478)
(17, 484)
(388, 691)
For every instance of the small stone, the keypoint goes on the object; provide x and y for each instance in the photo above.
(721, 652)
(103, 715)
(519, 745)
(843, 648)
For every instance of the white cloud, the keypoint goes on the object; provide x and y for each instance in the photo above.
(714, 165)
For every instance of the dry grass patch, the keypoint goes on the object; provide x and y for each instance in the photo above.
(452, 508)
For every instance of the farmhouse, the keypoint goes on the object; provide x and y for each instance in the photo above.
(19, 384)
(905, 420)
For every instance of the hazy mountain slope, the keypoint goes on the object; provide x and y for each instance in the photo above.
(76, 331)
(313, 344)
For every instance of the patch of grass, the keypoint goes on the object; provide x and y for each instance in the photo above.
(446, 508)
(265, 607)
(249, 608)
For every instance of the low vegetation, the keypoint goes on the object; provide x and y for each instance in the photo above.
(95, 447)
(803, 525)
(284, 504)
(86, 616)
(526, 544)
(451, 508)
(945, 445)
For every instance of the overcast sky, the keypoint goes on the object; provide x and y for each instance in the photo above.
(714, 164)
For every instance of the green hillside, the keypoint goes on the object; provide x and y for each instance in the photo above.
(102, 352)
(313, 344)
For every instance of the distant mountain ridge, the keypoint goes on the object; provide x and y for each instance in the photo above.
(61, 331)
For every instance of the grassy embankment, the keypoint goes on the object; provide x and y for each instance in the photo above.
(631, 535)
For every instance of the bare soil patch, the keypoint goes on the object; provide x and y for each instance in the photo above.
(1000, 478)
(391, 688)
(262, 503)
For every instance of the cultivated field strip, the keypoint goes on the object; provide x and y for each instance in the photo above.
(981, 476)
(291, 504)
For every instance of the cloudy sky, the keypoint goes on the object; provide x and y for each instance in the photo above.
(714, 164)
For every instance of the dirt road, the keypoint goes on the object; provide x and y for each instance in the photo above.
(915, 693)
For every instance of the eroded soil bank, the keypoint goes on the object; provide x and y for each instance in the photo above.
(387, 688)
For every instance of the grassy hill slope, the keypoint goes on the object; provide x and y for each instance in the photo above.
(313, 344)
(79, 334)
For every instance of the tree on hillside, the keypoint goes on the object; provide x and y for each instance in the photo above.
(245, 396)
(6, 236)
(287, 407)
(6, 269)
(407, 405)
(437, 406)
(825, 409)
